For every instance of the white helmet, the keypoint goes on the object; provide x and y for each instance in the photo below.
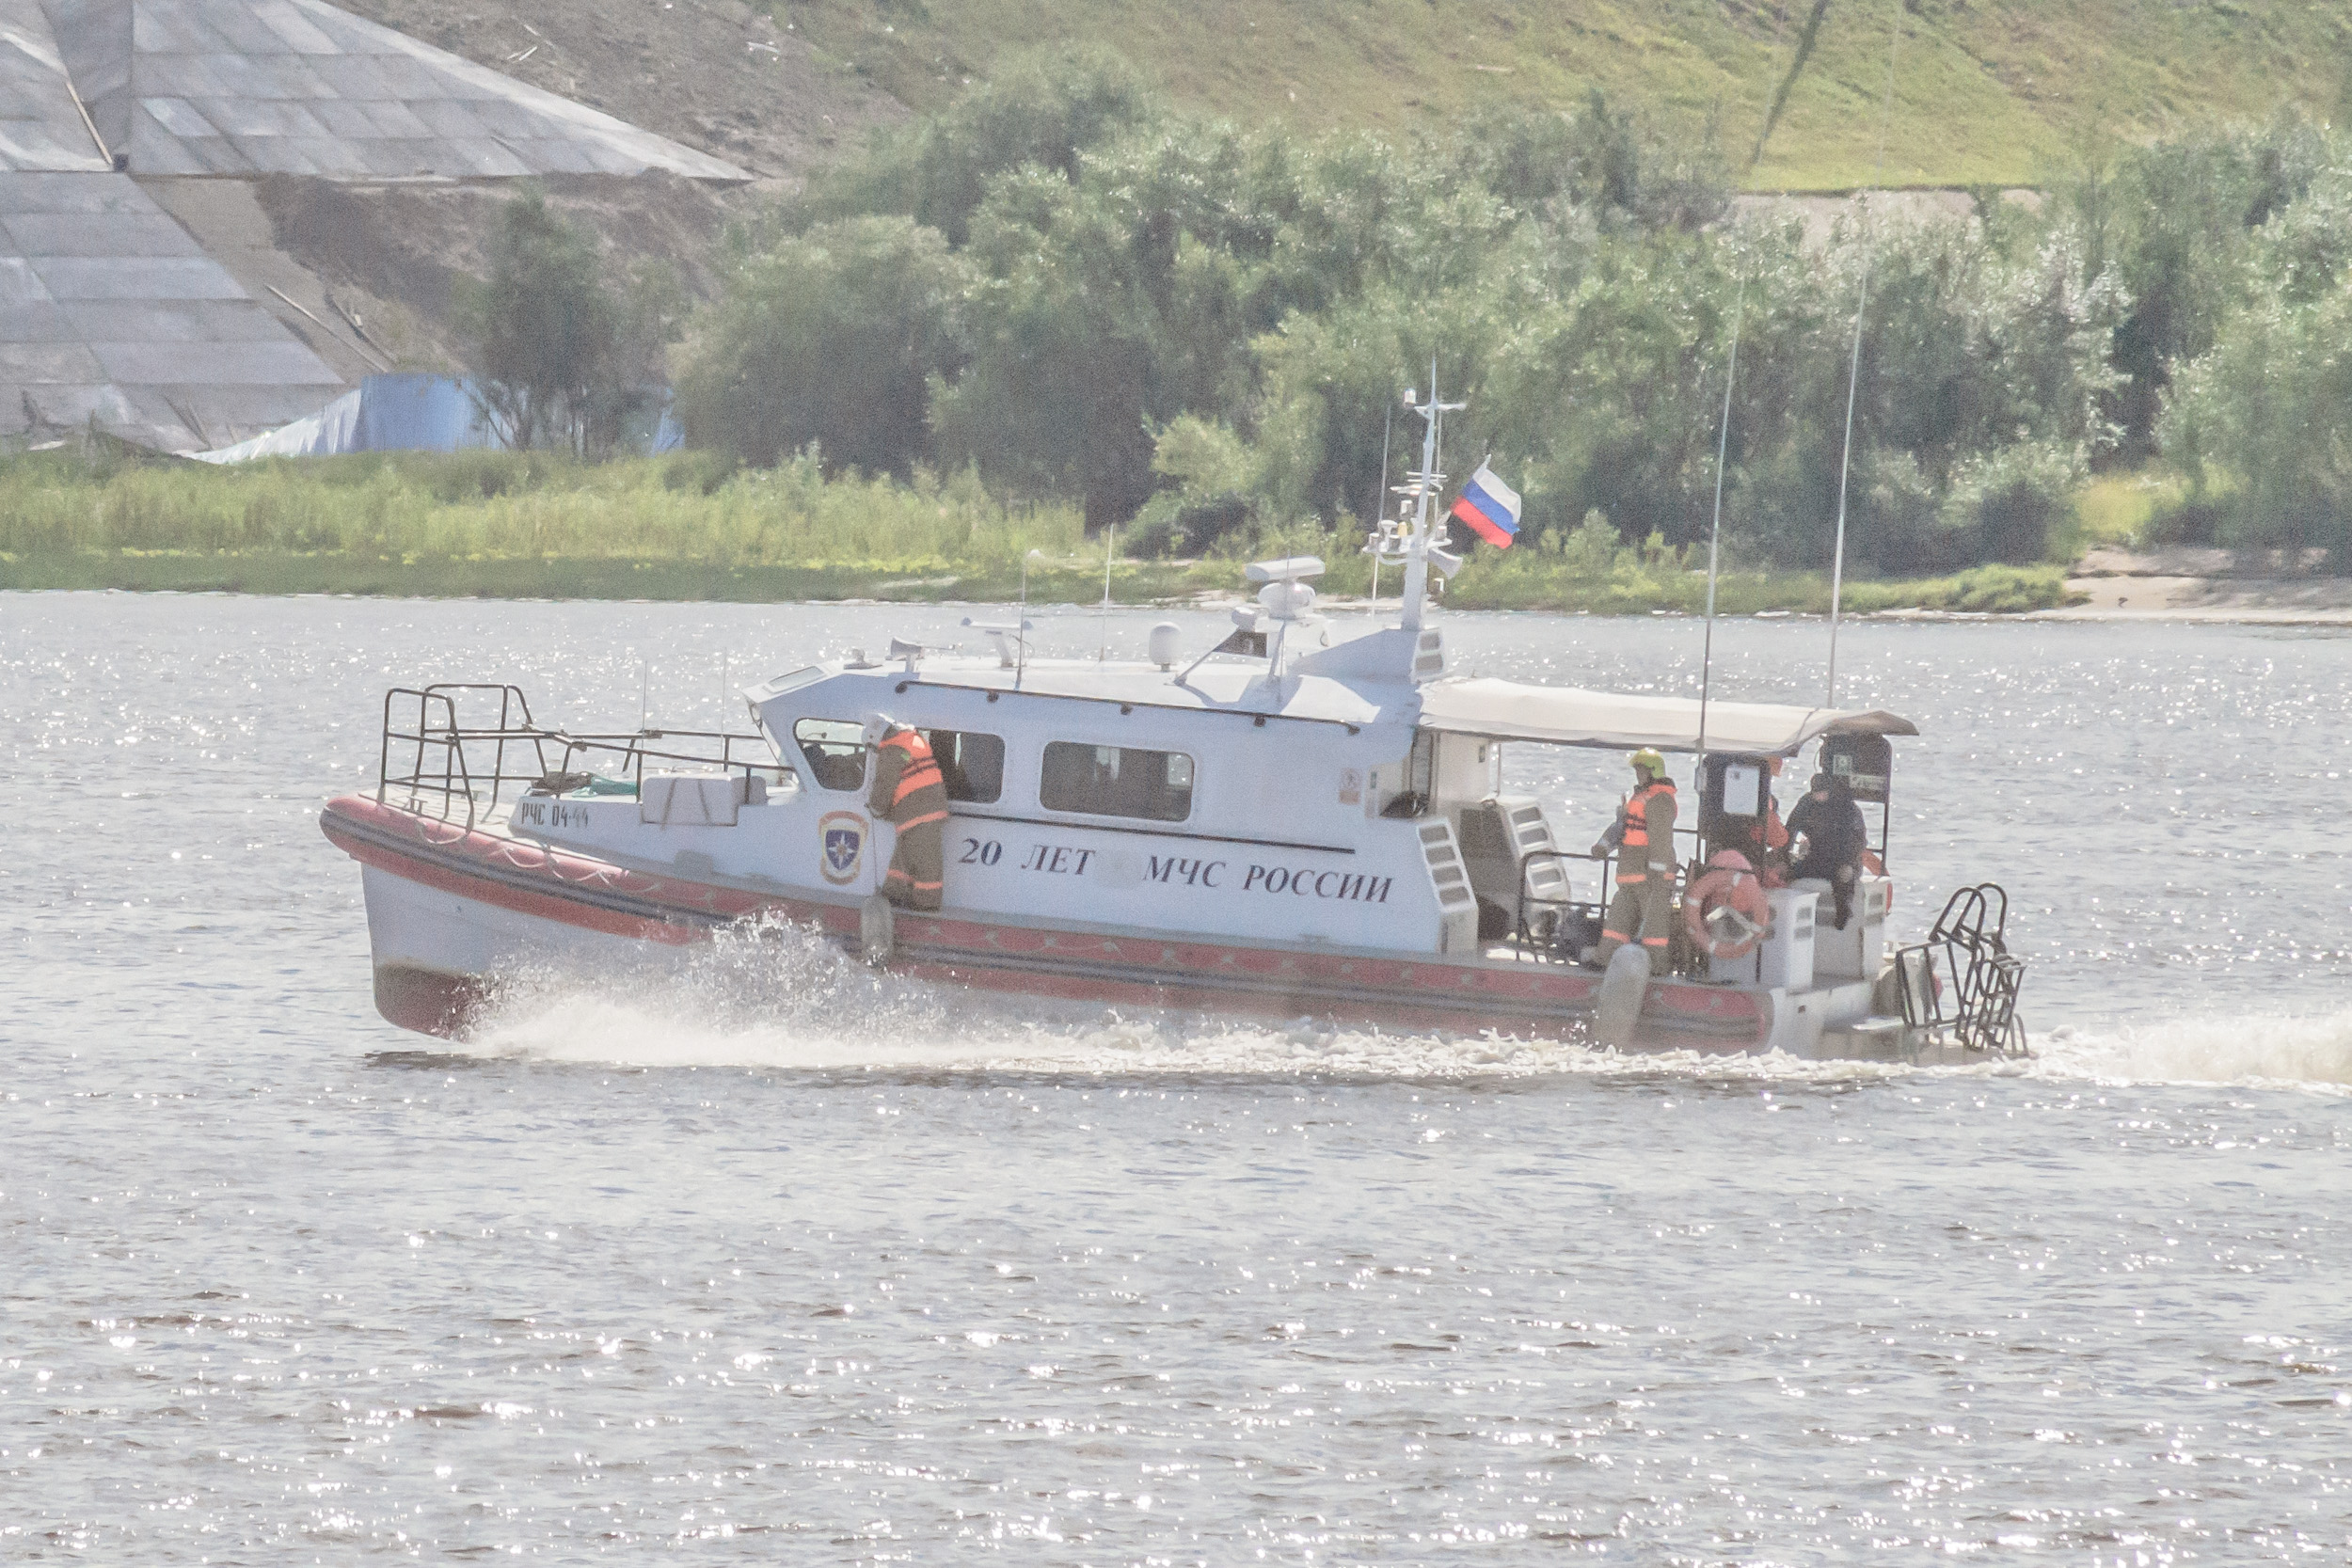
(877, 726)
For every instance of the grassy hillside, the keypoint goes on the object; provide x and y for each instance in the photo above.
(1986, 91)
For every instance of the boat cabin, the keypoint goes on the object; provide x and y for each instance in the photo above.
(1347, 793)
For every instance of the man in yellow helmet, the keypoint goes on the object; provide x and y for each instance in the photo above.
(1644, 839)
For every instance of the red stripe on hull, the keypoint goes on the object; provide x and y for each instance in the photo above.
(1152, 972)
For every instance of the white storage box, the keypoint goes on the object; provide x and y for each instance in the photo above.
(1857, 952)
(690, 800)
(1785, 954)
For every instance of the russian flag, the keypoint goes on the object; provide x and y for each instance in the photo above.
(1490, 507)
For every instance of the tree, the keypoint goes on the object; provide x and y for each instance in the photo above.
(2185, 214)
(2263, 421)
(1046, 109)
(828, 339)
(541, 331)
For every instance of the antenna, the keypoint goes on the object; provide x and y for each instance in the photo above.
(1379, 505)
(1110, 536)
(1021, 666)
(1853, 365)
(1715, 532)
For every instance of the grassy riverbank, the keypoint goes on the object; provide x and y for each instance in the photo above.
(503, 525)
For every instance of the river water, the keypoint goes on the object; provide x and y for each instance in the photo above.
(775, 1261)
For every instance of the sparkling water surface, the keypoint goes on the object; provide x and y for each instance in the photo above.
(777, 1260)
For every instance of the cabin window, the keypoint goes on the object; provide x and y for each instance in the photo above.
(1116, 781)
(835, 748)
(971, 764)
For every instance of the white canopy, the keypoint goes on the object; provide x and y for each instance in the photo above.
(1565, 716)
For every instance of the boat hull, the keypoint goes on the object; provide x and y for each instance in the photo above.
(452, 911)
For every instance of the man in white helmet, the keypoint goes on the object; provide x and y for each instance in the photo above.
(910, 794)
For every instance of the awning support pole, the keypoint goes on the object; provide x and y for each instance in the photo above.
(1715, 533)
(1853, 366)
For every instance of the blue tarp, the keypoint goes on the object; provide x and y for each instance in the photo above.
(406, 413)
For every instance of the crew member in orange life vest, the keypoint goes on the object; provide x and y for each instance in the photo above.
(1643, 838)
(908, 793)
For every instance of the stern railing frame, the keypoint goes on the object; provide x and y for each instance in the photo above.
(1962, 983)
(447, 782)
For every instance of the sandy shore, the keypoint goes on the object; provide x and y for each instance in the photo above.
(2197, 585)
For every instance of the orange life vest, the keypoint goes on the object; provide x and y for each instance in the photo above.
(1637, 813)
(920, 771)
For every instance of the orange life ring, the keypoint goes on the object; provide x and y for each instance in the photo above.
(1726, 911)
(1877, 867)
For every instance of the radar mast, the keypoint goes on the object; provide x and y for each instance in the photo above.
(1409, 541)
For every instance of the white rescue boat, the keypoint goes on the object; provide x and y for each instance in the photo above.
(1306, 819)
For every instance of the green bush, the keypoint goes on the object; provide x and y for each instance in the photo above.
(2264, 421)
(828, 341)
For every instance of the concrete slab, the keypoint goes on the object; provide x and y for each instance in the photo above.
(212, 154)
(72, 407)
(95, 234)
(29, 146)
(36, 322)
(31, 364)
(246, 76)
(177, 76)
(166, 28)
(156, 150)
(177, 116)
(267, 156)
(233, 412)
(135, 277)
(286, 363)
(500, 118)
(355, 77)
(91, 192)
(493, 158)
(175, 321)
(237, 27)
(403, 157)
(40, 127)
(94, 42)
(343, 117)
(21, 286)
(298, 32)
(445, 117)
(202, 28)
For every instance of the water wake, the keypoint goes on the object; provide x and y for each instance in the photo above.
(780, 998)
(2311, 1051)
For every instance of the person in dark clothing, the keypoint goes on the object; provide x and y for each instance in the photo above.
(1829, 827)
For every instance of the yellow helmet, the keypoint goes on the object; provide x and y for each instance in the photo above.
(1649, 762)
